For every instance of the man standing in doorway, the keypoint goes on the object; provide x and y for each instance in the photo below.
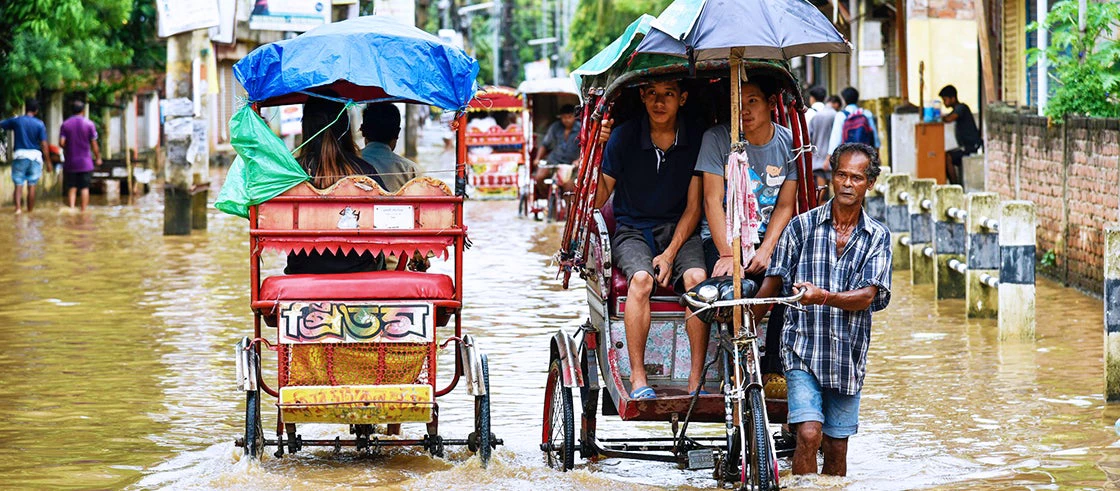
(31, 154)
(966, 132)
(78, 137)
(841, 258)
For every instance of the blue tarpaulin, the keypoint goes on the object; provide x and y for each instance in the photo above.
(363, 59)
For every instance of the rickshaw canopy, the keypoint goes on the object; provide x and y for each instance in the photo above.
(362, 60)
(614, 55)
(701, 30)
(495, 98)
(556, 85)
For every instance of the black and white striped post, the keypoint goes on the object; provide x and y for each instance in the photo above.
(898, 218)
(982, 290)
(922, 266)
(1112, 314)
(1016, 273)
(949, 241)
(874, 202)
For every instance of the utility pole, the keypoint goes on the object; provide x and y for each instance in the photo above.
(186, 131)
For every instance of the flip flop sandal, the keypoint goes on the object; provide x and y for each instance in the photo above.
(645, 392)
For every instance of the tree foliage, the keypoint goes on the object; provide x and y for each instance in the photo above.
(101, 47)
(1085, 66)
(598, 22)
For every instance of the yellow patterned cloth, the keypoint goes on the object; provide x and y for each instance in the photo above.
(356, 364)
(362, 404)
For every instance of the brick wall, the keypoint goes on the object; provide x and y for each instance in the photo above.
(1072, 174)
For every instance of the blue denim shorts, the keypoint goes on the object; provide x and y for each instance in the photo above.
(26, 171)
(838, 413)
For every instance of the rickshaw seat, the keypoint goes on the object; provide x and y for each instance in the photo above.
(373, 285)
(619, 285)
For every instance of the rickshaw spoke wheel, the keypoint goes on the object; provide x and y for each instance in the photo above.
(558, 442)
(763, 459)
(254, 432)
(481, 440)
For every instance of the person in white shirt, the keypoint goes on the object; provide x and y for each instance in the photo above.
(816, 102)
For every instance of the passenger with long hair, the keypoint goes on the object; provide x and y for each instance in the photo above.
(328, 155)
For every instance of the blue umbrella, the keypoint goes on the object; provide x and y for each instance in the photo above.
(761, 29)
(364, 59)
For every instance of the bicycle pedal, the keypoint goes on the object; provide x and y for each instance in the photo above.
(703, 458)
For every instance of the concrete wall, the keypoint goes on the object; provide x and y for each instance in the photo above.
(942, 33)
(1072, 173)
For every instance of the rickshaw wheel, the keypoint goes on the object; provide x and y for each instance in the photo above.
(558, 439)
(553, 206)
(764, 464)
(480, 440)
(254, 433)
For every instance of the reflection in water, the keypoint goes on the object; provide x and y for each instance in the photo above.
(117, 362)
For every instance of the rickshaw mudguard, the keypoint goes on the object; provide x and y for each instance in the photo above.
(247, 362)
(565, 348)
(472, 365)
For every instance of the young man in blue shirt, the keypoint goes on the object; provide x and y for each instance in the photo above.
(649, 165)
(31, 154)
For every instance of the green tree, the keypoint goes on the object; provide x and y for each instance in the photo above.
(1086, 65)
(598, 22)
(98, 46)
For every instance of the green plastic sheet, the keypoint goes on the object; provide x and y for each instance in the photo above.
(263, 169)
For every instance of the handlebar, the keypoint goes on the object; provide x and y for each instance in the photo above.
(689, 300)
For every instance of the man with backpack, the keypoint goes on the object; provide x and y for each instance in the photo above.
(852, 124)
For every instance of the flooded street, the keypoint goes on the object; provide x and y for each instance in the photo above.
(118, 372)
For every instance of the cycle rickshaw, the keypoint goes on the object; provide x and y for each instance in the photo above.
(354, 349)
(594, 358)
(496, 145)
(543, 100)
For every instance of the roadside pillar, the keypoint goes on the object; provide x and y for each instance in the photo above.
(948, 242)
(922, 266)
(898, 219)
(1112, 314)
(1016, 272)
(982, 289)
(874, 201)
(185, 132)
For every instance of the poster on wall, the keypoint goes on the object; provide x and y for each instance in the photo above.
(177, 16)
(289, 15)
(224, 32)
(403, 11)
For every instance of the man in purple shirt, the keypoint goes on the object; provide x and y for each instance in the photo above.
(78, 138)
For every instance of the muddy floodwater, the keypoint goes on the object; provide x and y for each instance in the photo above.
(116, 371)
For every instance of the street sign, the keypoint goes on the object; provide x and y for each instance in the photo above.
(177, 16)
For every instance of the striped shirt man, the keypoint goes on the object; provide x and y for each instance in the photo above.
(829, 342)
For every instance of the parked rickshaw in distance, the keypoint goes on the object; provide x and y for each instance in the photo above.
(541, 192)
(594, 358)
(496, 146)
(355, 349)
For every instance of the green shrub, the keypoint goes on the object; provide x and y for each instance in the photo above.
(1085, 75)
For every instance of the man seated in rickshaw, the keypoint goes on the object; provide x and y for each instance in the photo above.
(328, 156)
(561, 146)
(774, 174)
(649, 164)
(381, 127)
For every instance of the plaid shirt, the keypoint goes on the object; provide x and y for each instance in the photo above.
(829, 342)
